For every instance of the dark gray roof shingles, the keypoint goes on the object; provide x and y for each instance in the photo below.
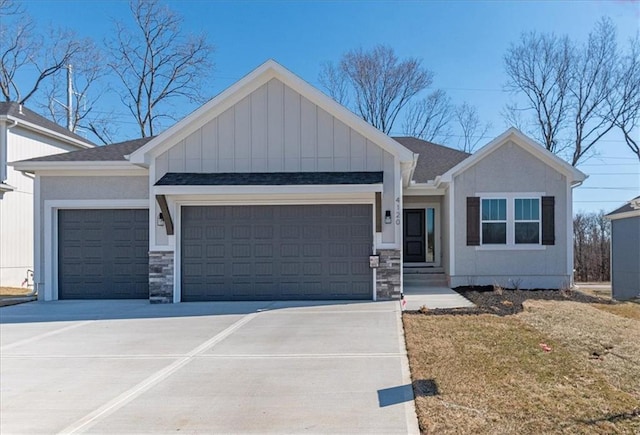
(434, 159)
(625, 208)
(268, 178)
(13, 109)
(107, 153)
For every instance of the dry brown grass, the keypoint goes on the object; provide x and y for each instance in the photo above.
(492, 376)
(14, 291)
(630, 310)
(602, 340)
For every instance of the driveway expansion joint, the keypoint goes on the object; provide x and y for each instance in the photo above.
(118, 402)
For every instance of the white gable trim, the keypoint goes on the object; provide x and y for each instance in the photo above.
(244, 87)
(516, 136)
(624, 215)
(17, 122)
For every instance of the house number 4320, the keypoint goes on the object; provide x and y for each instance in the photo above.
(397, 211)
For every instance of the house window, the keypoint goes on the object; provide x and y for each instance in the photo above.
(511, 221)
(494, 221)
(527, 221)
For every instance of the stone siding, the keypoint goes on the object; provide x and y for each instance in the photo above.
(388, 274)
(161, 277)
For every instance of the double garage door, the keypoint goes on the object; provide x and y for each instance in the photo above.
(276, 252)
(226, 253)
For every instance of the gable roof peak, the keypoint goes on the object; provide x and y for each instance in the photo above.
(249, 83)
(517, 137)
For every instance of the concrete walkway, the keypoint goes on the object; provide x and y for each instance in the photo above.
(418, 295)
(254, 367)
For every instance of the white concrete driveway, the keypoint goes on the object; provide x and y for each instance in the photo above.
(261, 367)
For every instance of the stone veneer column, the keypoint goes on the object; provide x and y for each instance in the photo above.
(161, 277)
(388, 274)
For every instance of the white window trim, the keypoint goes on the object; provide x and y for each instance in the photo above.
(510, 198)
(538, 221)
(497, 221)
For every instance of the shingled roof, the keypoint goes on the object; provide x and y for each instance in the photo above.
(15, 110)
(268, 178)
(107, 153)
(434, 159)
(625, 208)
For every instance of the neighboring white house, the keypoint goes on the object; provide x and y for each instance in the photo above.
(23, 134)
(272, 190)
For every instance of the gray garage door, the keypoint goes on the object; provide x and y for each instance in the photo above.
(276, 252)
(103, 254)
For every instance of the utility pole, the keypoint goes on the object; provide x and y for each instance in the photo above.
(69, 106)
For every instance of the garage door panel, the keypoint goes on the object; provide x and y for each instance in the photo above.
(276, 252)
(103, 254)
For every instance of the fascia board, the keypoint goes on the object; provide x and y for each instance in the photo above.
(624, 215)
(45, 131)
(241, 190)
(245, 87)
(75, 166)
(574, 175)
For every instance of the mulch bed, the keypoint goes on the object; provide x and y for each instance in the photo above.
(506, 302)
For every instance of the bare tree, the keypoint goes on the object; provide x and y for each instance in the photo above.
(592, 81)
(23, 47)
(157, 63)
(334, 81)
(379, 84)
(627, 96)
(429, 118)
(471, 127)
(591, 246)
(576, 93)
(88, 72)
(538, 66)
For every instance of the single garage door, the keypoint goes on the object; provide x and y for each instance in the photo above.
(103, 254)
(276, 252)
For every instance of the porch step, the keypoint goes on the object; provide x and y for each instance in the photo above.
(430, 279)
(422, 270)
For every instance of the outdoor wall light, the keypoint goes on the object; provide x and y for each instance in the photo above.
(387, 217)
(160, 220)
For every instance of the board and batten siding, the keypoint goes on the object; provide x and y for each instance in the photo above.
(275, 129)
(510, 168)
(16, 207)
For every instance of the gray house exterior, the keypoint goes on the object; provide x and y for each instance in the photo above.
(625, 250)
(272, 190)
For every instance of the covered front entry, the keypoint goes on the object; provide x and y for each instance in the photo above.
(421, 235)
(103, 254)
(276, 252)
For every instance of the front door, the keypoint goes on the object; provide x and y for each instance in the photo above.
(414, 236)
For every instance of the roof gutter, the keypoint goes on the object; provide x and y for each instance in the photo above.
(407, 168)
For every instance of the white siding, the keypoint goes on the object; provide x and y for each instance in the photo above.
(16, 207)
(274, 129)
(511, 169)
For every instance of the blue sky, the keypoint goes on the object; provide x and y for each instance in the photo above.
(462, 42)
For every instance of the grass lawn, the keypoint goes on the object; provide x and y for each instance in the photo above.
(489, 374)
(7, 293)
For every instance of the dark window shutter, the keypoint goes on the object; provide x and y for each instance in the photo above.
(473, 221)
(548, 220)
